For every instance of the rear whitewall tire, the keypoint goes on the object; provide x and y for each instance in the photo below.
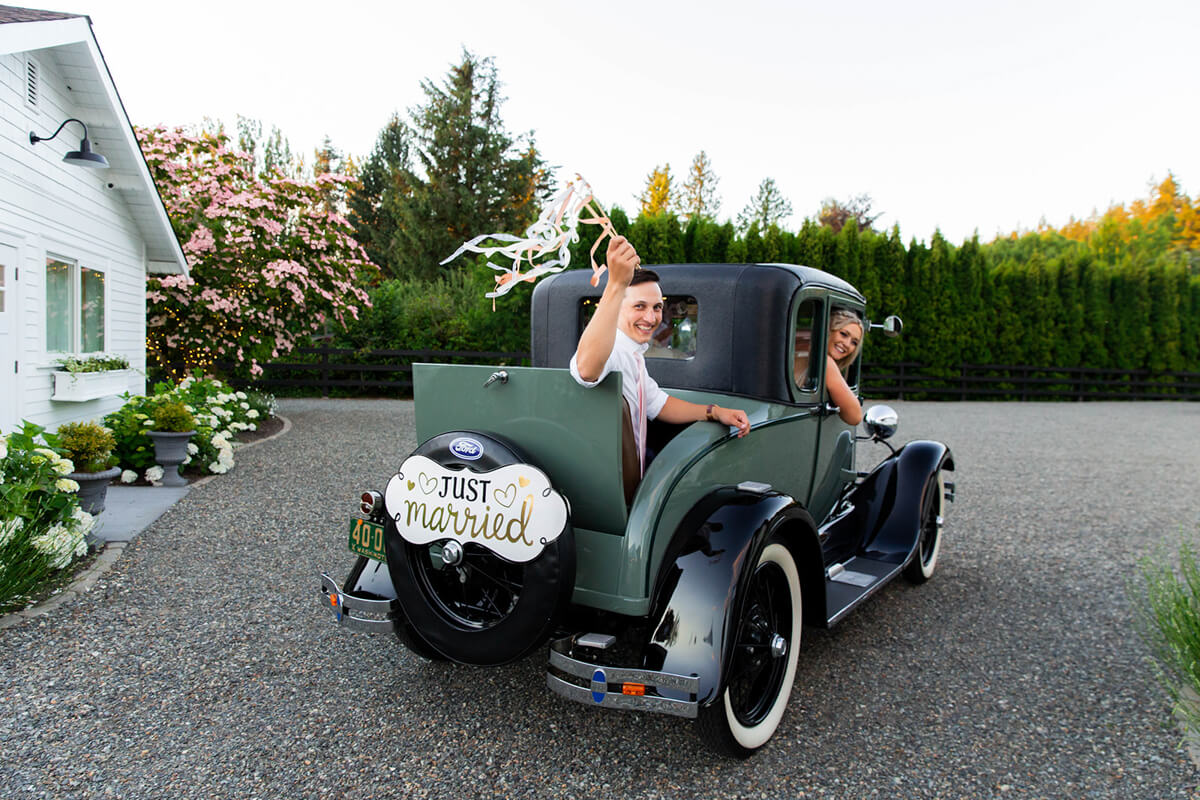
(719, 724)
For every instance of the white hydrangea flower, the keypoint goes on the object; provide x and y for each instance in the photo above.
(252, 414)
(240, 395)
(59, 544)
(244, 404)
(84, 522)
(192, 448)
(190, 410)
(9, 529)
(154, 474)
(3, 447)
(64, 466)
(66, 485)
(128, 476)
(148, 423)
(47, 452)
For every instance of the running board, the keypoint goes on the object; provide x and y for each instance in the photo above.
(849, 584)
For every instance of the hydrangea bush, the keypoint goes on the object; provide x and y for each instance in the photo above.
(42, 527)
(219, 413)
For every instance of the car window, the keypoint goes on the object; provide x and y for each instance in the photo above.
(676, 335)
(852, 374)
(806, 341)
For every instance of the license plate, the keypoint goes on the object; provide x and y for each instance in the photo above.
(366, 539)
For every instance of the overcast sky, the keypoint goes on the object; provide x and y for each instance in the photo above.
(964, 116)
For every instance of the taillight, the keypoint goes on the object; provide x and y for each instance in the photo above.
(370, 503)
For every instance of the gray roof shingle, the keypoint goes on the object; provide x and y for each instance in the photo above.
(17, 14)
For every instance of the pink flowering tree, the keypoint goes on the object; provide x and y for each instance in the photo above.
(269, 263)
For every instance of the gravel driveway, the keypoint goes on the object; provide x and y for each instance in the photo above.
(202, 666)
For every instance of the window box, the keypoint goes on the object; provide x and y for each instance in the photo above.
(76, 387)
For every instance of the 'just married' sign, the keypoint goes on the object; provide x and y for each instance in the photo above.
(512, 511)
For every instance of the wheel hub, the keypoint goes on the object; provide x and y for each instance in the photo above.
(452, 553)
(778, 646)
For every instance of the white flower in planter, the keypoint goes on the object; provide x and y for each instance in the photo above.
(128, 476)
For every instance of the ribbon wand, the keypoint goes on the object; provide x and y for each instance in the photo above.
(552, 234)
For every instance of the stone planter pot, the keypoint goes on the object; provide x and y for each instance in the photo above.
(93, 488)
(170, 450)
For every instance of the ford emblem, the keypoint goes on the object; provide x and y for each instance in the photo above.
(466, 449)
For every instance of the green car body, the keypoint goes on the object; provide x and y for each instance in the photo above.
(662, 602)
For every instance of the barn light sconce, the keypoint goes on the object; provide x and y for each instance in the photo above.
(83, 157)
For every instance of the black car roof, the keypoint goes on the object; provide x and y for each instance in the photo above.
(743, 323)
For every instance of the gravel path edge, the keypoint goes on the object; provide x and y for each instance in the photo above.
(108, 556)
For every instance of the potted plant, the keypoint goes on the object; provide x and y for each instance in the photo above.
(173, 427)
(80, 379)
(90, 448)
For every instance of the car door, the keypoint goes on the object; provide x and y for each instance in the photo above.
(833, 467)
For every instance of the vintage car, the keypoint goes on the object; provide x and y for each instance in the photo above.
(517, 522)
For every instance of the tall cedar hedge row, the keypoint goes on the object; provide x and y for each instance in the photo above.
(1038, 300)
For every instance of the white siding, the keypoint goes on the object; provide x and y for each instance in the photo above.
(48, 207)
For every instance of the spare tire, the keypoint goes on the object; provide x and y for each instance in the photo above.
(474, 605)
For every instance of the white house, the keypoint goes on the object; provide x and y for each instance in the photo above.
(76, 242)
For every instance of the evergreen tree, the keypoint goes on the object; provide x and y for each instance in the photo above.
(659, 196)
(767, 207)
(700, 197)
(272, 154)
(471, 176)
(658, 238)
(383, 186)
(328, 160)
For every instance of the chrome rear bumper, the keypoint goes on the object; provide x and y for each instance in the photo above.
(619, 687)
(352, 612)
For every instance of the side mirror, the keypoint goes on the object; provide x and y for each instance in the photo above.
(891, 326)
(881, 421)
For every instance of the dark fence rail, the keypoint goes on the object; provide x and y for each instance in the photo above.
(1021, 382)
(370, 372)
(348, 371)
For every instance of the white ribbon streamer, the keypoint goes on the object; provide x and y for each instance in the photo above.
(556, 229)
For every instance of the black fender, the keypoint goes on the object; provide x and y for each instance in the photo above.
(887, 503)
(698, 594)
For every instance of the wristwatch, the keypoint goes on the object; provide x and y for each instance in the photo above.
(708, 413)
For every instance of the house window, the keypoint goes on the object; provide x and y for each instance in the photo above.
(74, 307)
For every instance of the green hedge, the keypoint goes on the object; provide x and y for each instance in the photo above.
(1038, 300)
